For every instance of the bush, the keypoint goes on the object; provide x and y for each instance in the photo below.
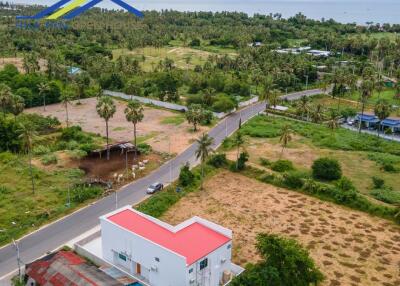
(79, 194)
(218, 160)
(144, 148)
(378, 183)
(241, 162)
(387, 167)
(293, 180)
(345, 184)
(186, 177)
(77, 154)
(41, 150)
(326, 169)
(282, 166)
(49, 159)
(386, 195)
(265, 162)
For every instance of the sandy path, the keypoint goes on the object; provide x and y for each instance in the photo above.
(350, 247)
(156, 134)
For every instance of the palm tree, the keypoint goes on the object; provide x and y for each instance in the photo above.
(17, 105)
(303, 106)
(367, 87)
(208, 96)
(27, 135)
(238, 141)
(317, 113)
(134, 113)
(5, 97)
(382, 110)
(43, 89)
(286, 137)
(203, 151)
(67, 95)
(268, 85)
(106, 109)
(333, 120)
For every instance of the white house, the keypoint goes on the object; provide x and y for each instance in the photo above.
(196, 252)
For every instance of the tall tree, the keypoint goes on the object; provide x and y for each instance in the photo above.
(238, 141)
(382, 110)
(203, 151)
(194, 115)
(286, 137)
(5, 97)
(333, 120)
(43, 88)
(82, 81)
(134, 114)
(27, 136)
(106, 109)
(367, 87)
(67, 95)
(317, 113)
(17, 105)
(303, 107)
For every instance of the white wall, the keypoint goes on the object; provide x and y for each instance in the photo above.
(213, 272)
(171, 270)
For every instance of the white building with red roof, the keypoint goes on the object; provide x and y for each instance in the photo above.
(195, 252)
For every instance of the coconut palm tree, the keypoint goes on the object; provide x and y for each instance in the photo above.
(367, 87)
(27, 136)
(303, 106)
(5, 97)
(44, 88)
(67, 95)
(208, 96)
(134, 113)
(106, 109)
(17, 105)
(382, 110)
(203, 151)
(286, 137)
(317, 113)
(333, 120)
(238, 141)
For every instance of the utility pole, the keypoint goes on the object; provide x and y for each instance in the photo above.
(226, 127)
(306, 81)
(18, 260)
(170, 161)
(116, 199)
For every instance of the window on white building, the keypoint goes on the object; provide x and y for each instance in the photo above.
(229, 246)
(190, 270)
(122, 257)
(203, 264)
(157, 259)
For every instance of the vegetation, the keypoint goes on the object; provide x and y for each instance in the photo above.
(106, 109)
(203, 151)
(326, 169)
(284, 262)
(134, 114)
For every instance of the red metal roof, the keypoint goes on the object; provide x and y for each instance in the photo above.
(193, 242)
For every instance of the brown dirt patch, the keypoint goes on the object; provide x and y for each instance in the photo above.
(19, 63)
(151, 129)
(346, 245)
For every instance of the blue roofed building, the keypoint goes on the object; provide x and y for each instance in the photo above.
(73, 70)
(368, 120)
(392, 123)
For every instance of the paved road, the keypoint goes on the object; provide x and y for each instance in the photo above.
(300, 94)
(57, 234)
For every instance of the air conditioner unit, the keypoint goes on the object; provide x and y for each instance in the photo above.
(223, 260)
(191, 281)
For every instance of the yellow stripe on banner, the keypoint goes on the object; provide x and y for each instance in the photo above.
(66, 9)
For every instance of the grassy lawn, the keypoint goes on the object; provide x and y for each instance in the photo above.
(174, 120)
(152, 56)
(361, 156)
(22, 211)
(387, 94)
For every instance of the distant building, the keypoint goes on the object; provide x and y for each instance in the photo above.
(66, 268)
(368, 120)
(196, 252)
(73, 70)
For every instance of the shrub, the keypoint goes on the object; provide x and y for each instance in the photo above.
(282, 166)
(345, 184)
(265, 162)
(386, 195)
(49, 159)
(79, 194)
(144, 148)
(41, 150)
(387, 167)
(326, 169)
(186, 177)
(218, 160)
(268, 178)
(241, 163)
(377, 182)
(293, 180)
(77, 154)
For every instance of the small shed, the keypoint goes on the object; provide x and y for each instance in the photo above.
(120, 147)
(392, 123)
(369, 121)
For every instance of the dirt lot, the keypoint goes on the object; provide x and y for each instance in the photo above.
(303, 153)
(350, 247)
(19, 63)
(152, 130)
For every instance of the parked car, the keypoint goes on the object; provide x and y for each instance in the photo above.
(153, 188)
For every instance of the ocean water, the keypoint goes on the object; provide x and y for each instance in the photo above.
(345, 11)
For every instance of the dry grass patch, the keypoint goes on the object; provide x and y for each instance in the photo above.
(350, 247)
